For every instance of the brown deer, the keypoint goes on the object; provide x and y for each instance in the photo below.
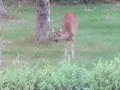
(68, 32)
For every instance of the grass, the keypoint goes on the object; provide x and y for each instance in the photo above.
(98, 35)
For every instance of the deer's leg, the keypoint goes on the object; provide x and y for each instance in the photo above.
(72, 47)
(66, 48)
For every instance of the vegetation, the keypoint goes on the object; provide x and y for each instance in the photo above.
(97, 42)
(14, 2)
(65, 76)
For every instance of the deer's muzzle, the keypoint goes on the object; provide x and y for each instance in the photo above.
(56, 40)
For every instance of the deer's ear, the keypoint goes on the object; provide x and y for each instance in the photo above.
(61, 29)
(53, 30)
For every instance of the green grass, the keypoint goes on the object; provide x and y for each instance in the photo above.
(98, 35)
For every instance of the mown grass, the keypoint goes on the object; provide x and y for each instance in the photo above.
(98, 35)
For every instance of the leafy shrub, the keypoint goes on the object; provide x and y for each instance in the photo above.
(106, 76)
(82, 1)
(16, 2)
(72, 1)
(66, 76)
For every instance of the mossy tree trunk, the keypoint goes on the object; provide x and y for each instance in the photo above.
(43, 20)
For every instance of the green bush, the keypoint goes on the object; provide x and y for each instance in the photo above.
(82, 1)
(64, 2)
(72, 1)
(65, 76)
(106, 76)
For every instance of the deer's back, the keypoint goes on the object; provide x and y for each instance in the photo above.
(70, 23)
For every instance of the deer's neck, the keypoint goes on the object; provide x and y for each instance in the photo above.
(66, 35)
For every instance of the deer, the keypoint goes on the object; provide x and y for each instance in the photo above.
(68, 32)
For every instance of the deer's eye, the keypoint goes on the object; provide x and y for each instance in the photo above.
(59, 35)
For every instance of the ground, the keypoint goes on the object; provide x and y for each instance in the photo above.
(98, 35)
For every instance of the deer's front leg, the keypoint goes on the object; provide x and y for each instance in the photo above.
(72, 48)
(66, 48)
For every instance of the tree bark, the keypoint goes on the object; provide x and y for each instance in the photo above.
(43, 20)
(0, 51)
(0, 46)
(2, 8)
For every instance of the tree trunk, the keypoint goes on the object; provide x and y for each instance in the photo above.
(2, 13)
(0, 51)
(0, 46)
(2, 8)
(43, 20)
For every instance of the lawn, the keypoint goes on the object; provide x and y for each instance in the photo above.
(98, 36)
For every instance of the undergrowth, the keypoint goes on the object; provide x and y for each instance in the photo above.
(64, 76)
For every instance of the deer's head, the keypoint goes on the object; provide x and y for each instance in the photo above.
(61, 35)
(57, 36)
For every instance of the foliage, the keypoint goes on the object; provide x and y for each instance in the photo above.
(93, 40)
(82, 1)
(16, 2)
(65, 76)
